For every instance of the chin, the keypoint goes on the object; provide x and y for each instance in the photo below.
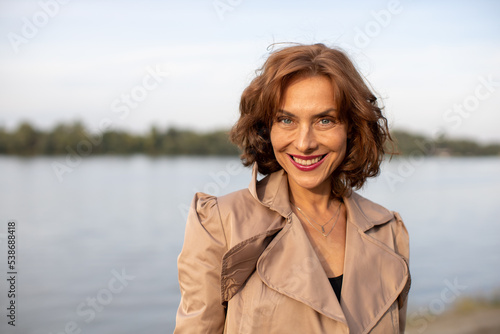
(309, 183)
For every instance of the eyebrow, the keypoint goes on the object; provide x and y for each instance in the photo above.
(323, 113)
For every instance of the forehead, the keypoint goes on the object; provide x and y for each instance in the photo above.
(309, 94)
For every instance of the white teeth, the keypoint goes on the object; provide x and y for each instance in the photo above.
(306, 162)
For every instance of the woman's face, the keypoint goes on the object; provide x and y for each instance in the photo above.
(308, 139)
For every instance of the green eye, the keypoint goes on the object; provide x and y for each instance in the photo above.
(284, 120)
(325, 121)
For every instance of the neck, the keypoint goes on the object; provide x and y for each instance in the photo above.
(311, 200)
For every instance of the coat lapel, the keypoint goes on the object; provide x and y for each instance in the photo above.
(290, 266)
(240, 261)
(374, 275)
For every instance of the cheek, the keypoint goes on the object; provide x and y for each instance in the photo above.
(342, 147)
(343, 143)
(334, 141)
(340, 140)
(276, 139)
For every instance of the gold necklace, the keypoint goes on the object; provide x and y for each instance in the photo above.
(322, 226)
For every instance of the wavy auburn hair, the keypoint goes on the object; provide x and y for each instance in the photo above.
(357, 105)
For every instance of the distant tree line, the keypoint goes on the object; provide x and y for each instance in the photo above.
(408, 143)
(66, 138)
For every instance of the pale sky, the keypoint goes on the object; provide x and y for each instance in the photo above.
(436, 64)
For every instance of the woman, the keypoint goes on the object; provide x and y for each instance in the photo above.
(299, 251)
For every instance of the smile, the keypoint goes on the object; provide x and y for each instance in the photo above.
(307, 163)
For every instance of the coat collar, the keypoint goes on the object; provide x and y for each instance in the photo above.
(287, 263)
(271, 191)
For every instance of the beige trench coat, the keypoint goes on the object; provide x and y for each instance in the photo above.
(247, 266)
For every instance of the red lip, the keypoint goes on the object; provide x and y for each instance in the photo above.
(309, 157)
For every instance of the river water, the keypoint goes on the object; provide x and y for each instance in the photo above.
(97, 240)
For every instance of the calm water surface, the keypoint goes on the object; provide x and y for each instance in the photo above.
(97, 248)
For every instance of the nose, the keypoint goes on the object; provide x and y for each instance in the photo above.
(306, 139)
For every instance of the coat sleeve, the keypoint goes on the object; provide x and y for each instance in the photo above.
(199, 266)
(402, 244)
